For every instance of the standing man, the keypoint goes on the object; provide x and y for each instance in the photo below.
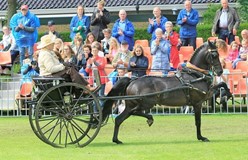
(24, 29)
(123, 29)
(158, 21)
(80, 23)
(226, 22)
(51, 29)
(99, 20)
(188, 18)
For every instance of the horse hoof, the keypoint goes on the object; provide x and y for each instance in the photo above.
(206, 140)
(203, 139)
(149, 122)
(117, 142)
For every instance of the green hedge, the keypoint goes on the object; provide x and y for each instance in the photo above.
(203, 31)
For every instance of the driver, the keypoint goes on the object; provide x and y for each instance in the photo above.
(50, 66)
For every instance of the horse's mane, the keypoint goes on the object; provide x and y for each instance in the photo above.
(197, 51)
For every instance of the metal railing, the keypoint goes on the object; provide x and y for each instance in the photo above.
(12, 104)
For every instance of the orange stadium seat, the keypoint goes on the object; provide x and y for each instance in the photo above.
(199, 42)
(5, 58)
(186, 52)
(142, 42)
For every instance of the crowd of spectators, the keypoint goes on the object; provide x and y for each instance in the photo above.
(93, 44)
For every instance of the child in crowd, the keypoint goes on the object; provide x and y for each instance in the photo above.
(233, 51)
(138, 64)
(242, 53)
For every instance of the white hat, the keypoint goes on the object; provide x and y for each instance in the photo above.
(45, 41)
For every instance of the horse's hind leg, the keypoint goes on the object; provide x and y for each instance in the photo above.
(118, 120)
(197, 109)
(142, 114)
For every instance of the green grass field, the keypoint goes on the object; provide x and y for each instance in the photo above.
(170, 137)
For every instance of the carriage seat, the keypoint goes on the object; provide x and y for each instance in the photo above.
(47, 82)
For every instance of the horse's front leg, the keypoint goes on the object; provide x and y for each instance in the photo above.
(118, 120)
(142, 114)
(197, 110)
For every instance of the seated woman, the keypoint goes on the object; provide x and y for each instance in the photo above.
(138, 64)
(70, 56)
(50, 66)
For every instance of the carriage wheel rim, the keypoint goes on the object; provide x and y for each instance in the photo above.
(66, 120)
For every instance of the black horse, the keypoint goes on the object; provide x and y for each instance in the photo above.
(188, 87)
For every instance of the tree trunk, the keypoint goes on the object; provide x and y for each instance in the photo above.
(12, 5)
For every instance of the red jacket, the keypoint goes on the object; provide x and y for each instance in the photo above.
(174, 55)
(99, 64)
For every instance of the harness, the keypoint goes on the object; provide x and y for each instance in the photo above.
(200, 77)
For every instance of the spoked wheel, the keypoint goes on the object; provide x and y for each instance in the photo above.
(68, 114)
(33, 123)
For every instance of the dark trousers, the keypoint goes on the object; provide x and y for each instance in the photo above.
(225, 34)
(70, 74)
(189, 41)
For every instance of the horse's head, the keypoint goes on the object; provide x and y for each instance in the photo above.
(212, 57)
(207, 57)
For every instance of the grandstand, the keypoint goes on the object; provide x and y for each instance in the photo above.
(138, 11)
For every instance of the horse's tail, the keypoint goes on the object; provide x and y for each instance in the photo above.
(118, 89)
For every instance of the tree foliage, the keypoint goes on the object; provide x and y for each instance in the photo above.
(209, 14)
(12, 5)
(242, 10)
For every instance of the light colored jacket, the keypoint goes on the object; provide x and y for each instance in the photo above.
(161, 55)
(233, 20)
(49, 63)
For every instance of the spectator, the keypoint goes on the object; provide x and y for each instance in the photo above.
(161, 53)
(123, 29)
(80, 23)
(123, 56)
(85, 56)
(222, 91)
(188, 18)
(98, 63)
(138, 64)
(59, 49)
(90, 38)
(98, 45)
(243, 52)
(244, 34)
(158, 21)
(113, 49)
(99, 20)
(69, 55)
(233, 51)
(50, 66)
(173, 37)
(51, 28)
(24, 28)
(9, 44)
(28, 70)
(226, 22)
(106, 41)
